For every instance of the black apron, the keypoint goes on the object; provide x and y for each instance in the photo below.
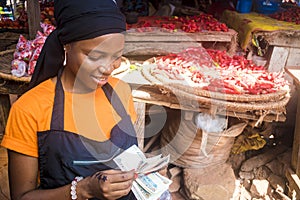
(64, 155)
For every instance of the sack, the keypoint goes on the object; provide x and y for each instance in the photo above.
(184, 142)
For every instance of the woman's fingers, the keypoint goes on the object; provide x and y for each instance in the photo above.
(117, 194)
(117, 176)
(116, 184)
(113, 184)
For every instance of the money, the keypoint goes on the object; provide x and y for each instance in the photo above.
(149, 185)
(134, 158)
(130, 159)
(153, 164)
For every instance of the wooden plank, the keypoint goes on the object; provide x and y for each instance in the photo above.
(296, 141)
(11, 36)
(160, 36)
(233, 45)
(285, 38)
(295, 74)
(4, 111)
(278, 59)
(9, 40)
(34, 17)
(156, 48)
(4, 183)
(145, 43)
(153, 95)
(293, 58)
(139, 124)
(294, 183)
(250, 116)
(151, 142)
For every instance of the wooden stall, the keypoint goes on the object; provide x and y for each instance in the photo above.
(293, 174)
(284, 48)
(159, 42)
(281, 39)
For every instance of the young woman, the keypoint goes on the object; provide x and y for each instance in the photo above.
(62, 134)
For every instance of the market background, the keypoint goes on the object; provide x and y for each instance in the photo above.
(257, 159)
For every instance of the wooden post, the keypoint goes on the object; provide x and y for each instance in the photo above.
(278, 59)
(293, 174)
(140, 123)
(295, 74)
(4, 111)
(296, 142)
(293, 59)
(34, 17)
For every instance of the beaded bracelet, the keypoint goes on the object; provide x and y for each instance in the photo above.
(73, 187)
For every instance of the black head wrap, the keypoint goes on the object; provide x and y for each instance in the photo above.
(76, 20)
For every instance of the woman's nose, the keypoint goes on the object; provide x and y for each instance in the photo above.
(106, 68)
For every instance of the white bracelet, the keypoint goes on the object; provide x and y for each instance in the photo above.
(73, 187)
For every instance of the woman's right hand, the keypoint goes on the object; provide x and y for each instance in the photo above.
(109, 184)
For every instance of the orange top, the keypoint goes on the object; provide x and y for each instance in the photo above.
(90, 115)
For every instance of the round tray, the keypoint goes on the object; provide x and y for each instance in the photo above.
(178, 86)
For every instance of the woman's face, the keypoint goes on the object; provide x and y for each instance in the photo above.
(90, 62)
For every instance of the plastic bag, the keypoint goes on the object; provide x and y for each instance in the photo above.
(211, 124)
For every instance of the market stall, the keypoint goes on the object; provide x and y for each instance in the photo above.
(240, 89)
(178, 85)
(276, 41)
(155, 35)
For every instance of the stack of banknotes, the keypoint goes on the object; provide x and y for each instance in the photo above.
(149, 185)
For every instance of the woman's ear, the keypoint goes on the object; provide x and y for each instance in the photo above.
(67, 47)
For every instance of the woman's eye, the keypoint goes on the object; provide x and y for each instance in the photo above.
(95, 56)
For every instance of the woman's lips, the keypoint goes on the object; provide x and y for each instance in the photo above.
(100, 80)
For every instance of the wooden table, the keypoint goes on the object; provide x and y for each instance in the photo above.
(293, 174)
(160, 43)
(152, 95)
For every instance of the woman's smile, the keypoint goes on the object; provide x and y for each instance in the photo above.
(100, 80)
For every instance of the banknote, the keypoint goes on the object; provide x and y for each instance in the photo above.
(150, 187)
(134, 158)
(147, 183)
(154, 164)
(130, 159)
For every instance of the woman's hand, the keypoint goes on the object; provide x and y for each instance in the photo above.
(108, 184)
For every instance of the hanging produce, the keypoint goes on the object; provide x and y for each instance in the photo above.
(28, 51)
